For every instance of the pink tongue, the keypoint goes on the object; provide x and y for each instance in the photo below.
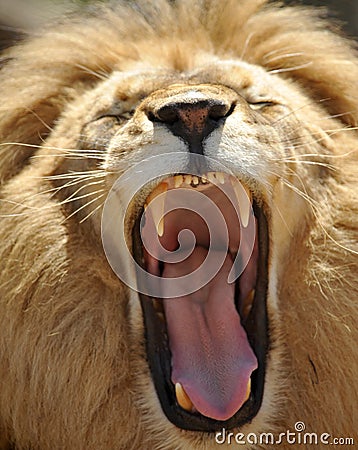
(211, 356)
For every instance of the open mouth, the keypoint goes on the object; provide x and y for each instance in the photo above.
(206, 347)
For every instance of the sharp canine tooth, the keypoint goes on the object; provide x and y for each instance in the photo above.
(248, 390)
(178, 181)
(182, 398)
(160, 228)
(211, 177)
(244, 203)
(157, 209)
(220, 177)
(248, 192)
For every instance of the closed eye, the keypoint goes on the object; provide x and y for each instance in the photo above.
(119, 117)
(260, 105)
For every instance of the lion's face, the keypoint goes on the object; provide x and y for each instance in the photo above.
(213, 126)
(178, 229)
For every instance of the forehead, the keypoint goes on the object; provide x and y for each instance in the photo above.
(249, 80)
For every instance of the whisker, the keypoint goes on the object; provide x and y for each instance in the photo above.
(337, 116)
(283, 220)
(283, 56)
(291, 69)
(313, 163)
(46, 125)
(310, 103)
(84, 206)
(302, 194)
(91, 213)
(12, 202)
(246, 44)
(65, 151)
(276, 50)
(19, 144)
(315, 209)
(316, 141)
(55, 190)
(18, 204)
(68, 155)
(313, 155)
(73, 155)
(98, 173)
(338, 130)
(30, 209)
(73, 199)
(101, 75)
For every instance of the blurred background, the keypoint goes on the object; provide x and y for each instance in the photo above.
(344, 10)
(20, 14)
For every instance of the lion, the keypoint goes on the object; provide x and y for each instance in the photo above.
(238, 100)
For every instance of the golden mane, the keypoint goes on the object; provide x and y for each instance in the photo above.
(41, 76)
(84, 49)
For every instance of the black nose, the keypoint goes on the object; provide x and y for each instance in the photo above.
(192, 120)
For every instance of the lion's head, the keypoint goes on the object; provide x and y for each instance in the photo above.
(239, 112)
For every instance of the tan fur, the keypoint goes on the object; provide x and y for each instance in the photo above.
(73, 371)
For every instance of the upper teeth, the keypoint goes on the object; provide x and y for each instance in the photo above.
(243, 195)
(157, 207)
(178, 181)
(194, 180)
(220, 177)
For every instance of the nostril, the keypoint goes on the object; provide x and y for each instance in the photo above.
(167, 114)
(151, 116)
(211, 109)
(192, 113)
(220, 110)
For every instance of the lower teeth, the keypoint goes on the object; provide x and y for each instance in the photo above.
(247, 304)
(183, 398)
(185, 402)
